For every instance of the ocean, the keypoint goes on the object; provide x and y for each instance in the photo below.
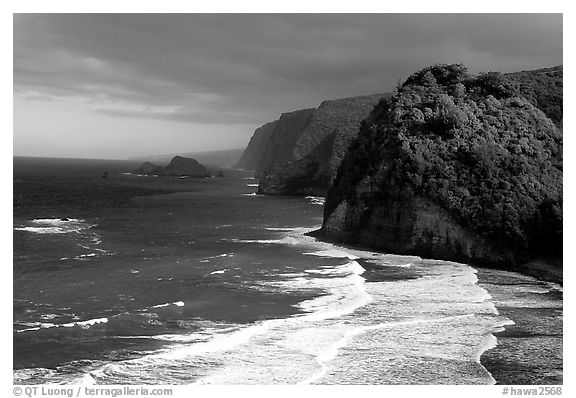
(141, 280)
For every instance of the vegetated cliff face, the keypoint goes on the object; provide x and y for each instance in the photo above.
(256, 147)
(310, 164)
(543, 88)
(178, 166)
(452, 167)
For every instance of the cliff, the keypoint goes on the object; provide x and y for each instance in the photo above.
(254, 152)
(283, 139)
(308, 163)
(178, 166)
(452, 167)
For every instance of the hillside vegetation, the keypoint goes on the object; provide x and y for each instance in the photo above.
(543, 88)
(475, 147)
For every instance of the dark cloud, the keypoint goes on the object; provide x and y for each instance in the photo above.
(233, 69)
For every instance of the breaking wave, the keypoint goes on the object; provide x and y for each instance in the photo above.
(351, 331)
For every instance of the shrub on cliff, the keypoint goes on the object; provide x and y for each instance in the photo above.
(473, 145)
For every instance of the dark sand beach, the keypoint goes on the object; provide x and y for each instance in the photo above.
(530, 350)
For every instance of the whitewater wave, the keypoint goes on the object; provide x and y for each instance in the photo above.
(220, 271)
(83, 324)
(176, 303)
(222, 255)
(287, 240)
(78, 229)
(316, 200)
(334, 253)
(442, 316)
(332, 352)
(55, 226)
(341, 292)
(428, 329)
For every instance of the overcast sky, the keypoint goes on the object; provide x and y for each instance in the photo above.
(120, 85)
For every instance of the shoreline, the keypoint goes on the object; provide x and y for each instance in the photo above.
(539, 268)
(528, 352)
(494, 359)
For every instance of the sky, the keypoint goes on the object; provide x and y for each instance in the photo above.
(114, 86)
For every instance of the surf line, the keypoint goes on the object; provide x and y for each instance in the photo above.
(332, 352)
(83, 324)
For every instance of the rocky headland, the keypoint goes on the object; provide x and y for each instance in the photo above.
(300, 152)
(256, 147)
(454, 167)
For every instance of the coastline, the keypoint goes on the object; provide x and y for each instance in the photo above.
(521, 354)
(548, 271)
(509, 361)
(541, 269)
(528, 352)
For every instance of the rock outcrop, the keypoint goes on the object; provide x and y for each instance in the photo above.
(452, 167)
(306, 163)
(178, 167)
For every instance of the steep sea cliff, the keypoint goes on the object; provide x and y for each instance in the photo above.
(319, 149)
(452, 167)
(256, 147)
(300, 152)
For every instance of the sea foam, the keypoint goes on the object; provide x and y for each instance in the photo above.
(83, 324)
(350, 332)
(176, 303)
(55, 226)
(316, 200)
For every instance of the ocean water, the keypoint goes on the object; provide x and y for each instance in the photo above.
(137, 280)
